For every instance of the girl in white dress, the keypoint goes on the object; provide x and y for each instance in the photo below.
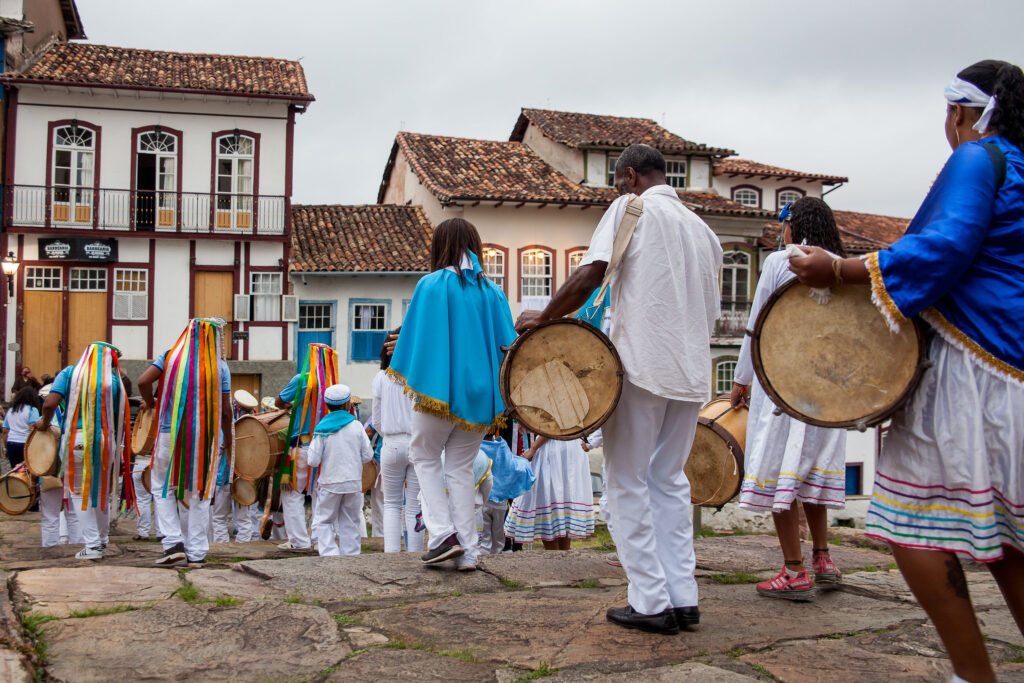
(787, 460)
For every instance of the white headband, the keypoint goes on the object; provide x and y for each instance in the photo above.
(966, 94)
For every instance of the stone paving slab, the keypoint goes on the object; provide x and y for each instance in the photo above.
(566, 626)
(757, 554)
(691, 672)
(372, 576)
(217, 583)
(985, 593)
(554, 568)
(175, 641)
(386, 664)
(839, 661)
(58, 591)
(14, 663)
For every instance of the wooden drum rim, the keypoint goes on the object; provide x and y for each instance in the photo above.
(735, 450)
(872, 420)
(505, 371)
(55, 466)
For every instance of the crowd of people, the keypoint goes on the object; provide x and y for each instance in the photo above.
(950, 478)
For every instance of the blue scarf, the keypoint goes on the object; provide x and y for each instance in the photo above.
(333, 422)
(512, 474)
(450, 348)
(594, 315)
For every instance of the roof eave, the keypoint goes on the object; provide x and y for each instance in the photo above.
(323, 273)
(22, 80)
(72, 20)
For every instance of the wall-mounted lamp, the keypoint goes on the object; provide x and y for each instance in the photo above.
(10, 267)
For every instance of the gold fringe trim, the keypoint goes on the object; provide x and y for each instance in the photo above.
(957, 338)
(431, 406)
(880, 295)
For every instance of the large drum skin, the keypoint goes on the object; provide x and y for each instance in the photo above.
(144, 432)
(561, 379)
(715, 466)
(244, 492)
(258, 447)
(17, 492)
(834, 364)
(41, 452)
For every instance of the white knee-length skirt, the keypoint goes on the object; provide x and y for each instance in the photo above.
(561, 502)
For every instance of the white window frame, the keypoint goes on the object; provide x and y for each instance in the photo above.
(379, 323)
(781, 201)
(676, 173)
(81, 168)
(164, 146)
(495, 266)
(237, 197)
(730, 271)
(536, 278)
(44, 278)
(131, 294)
(754, 202)
(610, 168)
(304, 318)
(85, 279)
(725, 374)
(577, 256)
(261, 298)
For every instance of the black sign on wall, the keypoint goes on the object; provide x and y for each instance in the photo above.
(77, 249)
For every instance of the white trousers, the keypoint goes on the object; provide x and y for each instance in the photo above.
(646, 443)
(293, 505)
(336, 520)
(400, 487)
(377, 509)
(492, 537)
(189, 528)
(94, 522)
(220, 512)
(51, 504)
(144, 499)
(451, 511)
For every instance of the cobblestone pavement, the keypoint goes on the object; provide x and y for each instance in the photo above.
(256, 613)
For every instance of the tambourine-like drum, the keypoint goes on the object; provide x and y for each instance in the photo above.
(715, 465)
(147, 478)
(144, 432)
(370, 471)
(259, 444)
(17, 491)
(244, 492)
(41, 452)
(50, 483)
(835, 364)
(561, 379)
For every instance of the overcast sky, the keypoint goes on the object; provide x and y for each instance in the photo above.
(848, 88)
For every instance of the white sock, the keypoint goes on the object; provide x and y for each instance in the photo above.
(957, 679)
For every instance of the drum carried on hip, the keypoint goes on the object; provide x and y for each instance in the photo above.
(144, 432)
(17, 491)
(244, 491)
(715, 465)
(259, 444)
(41, 449)
(834, 364)
(370, 472)
(147, 478)
(561, 379)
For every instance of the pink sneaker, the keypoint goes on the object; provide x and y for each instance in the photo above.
(798, 586)
(825, 570)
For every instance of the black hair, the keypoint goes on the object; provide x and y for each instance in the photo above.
(453, 238)
(643, 159)
(385, 357)
(26, 396)
(1005, 82)
(127, 383)
(811, 219)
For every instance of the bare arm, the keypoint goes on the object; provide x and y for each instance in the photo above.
(573, 294)
(532, 450)
(49, 408)
(283, 405)
(145, 383)
(815, 270)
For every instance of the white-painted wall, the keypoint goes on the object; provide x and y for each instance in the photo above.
(769, 188)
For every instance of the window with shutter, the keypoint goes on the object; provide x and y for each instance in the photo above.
(369, 329)
(131, 294)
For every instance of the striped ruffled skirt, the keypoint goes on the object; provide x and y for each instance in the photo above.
(951, 472)
(561, 502)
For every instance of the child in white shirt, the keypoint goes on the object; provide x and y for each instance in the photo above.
(340, 448)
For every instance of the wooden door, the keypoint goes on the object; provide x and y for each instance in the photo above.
(214, 299)
(87, 321)
(250, 383)
(41, 343)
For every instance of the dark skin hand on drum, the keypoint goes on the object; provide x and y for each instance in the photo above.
(49, 408)
(815, 269)
(740, 395)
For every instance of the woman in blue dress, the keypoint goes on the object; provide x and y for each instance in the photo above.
(950, 478)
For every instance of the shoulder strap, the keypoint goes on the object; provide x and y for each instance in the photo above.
(998, 160)
(624, 233)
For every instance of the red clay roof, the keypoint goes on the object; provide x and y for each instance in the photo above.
(746, 167)
(594, 130)
(120, 67)
(860, 232)
(369, 238)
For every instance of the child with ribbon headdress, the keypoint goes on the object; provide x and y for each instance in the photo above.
(92, 439)
(304, 395)
(194, 412)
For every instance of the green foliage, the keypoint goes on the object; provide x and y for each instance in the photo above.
(101, 611)
(347, 620)
(465, 655)
(734, 578)
(295, 599)
(33, 624)
(188, 592)
(587, 583)
(542, 671)
(510, 583)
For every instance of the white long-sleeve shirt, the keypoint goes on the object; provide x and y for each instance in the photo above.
(774, 273)
(341, 457)
(392, 409)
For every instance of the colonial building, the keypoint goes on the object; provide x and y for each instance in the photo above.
(142, 188)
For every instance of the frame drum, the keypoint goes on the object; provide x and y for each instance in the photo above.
(561, 379)
(370, 471)
(144, 432)
(244, 492)
(147, 478)
(258, 446)
(715, 465)
(834, 364)
(17, 492)
(41, 452)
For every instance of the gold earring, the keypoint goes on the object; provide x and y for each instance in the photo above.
(957, 131)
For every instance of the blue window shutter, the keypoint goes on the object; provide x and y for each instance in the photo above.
(366, 344)
(853, 480)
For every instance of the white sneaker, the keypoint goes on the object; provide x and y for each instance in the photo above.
(294, 548)
(89, 554)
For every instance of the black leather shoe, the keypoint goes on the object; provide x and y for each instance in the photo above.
(687, 617)
(664, 623)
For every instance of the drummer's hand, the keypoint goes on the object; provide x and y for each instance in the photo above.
(739, 395)
(530, 452)
(815, 269)
(40, 426)
(529, 320)
(148, 402)
(390, 343)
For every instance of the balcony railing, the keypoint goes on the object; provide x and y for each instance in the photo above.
(38, 206)
(734, 319)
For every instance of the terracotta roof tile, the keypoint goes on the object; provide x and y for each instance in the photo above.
(369, 238)
(860, 232)
(746, 167)
(594, 130)
(105, 66)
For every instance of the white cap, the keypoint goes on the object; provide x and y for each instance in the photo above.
(337, 395)
(246, 400)
(268, 402)
(45, 391)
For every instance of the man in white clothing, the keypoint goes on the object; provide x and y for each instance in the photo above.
(340, 448)
(665, 301)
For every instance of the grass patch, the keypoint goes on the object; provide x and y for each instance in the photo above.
(188, 592)
(736, 652)
(464, 655)
(405, 645)
(347, 620)
(587, 583)
(229, 559)
(1017, 656)
(763, 671)
(510, 583)
(734, 578)
(101, 611)
(33, 625)
(601, 540)
(542, 671)
(835, 540)
(295, 599)
(454, 594)
(225, 601)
